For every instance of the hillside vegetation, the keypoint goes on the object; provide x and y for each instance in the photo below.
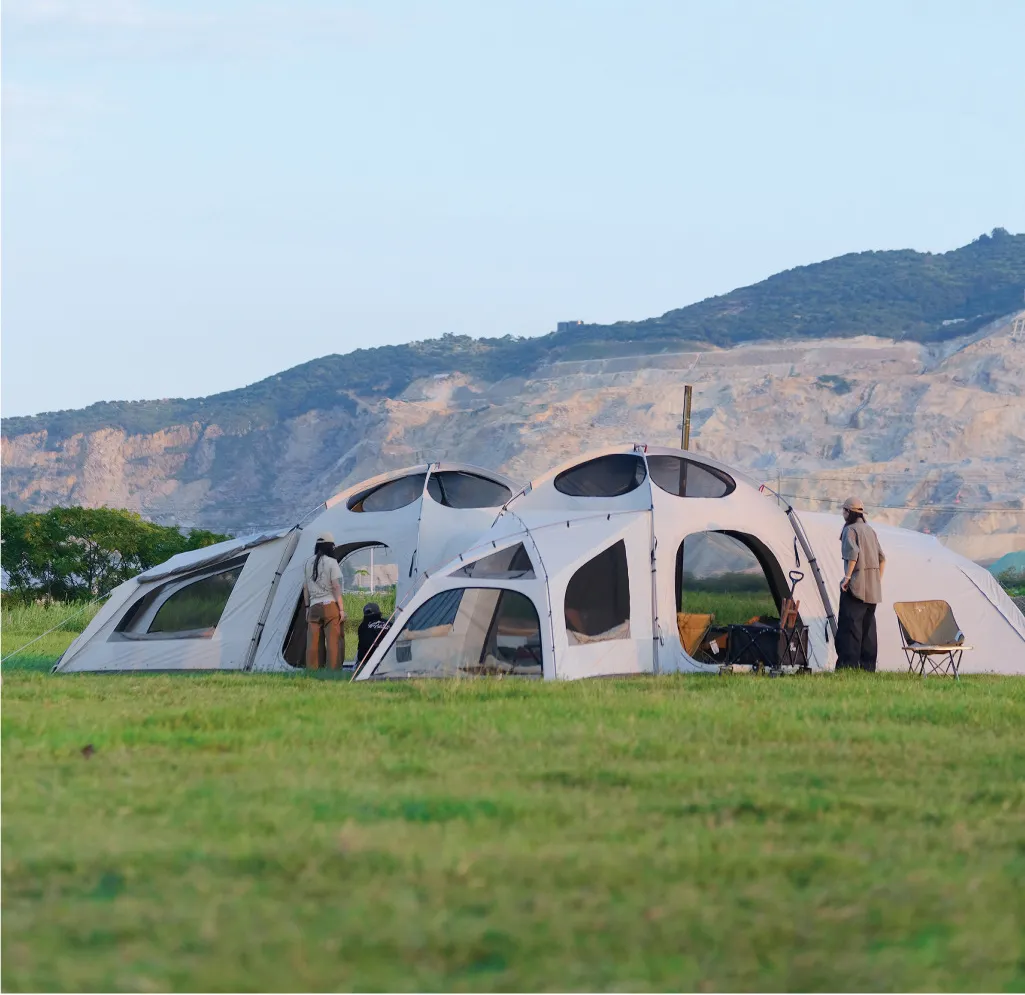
(898, 294)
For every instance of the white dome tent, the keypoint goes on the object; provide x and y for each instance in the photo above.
(232, 606)
(583, 575)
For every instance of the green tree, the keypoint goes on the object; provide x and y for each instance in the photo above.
(70, 553)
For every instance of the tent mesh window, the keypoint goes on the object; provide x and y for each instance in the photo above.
(457, 489)
(598, 598)
(685, 478)
(191, 611)
(467, 632)
(390, 496)
(606, 476)
(512, 563)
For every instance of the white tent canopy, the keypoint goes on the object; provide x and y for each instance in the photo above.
(583, 575)
(233, 606)
(596, 568)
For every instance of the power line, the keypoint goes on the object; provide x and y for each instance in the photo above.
(952, 508)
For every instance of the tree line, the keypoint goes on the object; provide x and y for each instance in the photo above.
(70, 554)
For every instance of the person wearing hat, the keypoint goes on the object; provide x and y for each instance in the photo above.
(370, 630)
(860, 590)
(325, 611)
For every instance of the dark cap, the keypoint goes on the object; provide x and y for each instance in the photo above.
(371, 608)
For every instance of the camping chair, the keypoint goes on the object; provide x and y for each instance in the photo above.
(692, 630)
(929, 634)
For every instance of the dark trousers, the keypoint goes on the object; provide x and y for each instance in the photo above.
(856, 634)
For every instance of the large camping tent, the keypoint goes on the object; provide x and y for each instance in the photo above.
(237, 605)
(594, 569)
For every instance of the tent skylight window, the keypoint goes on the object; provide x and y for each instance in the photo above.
(605, 476)
(391, 496)
(686, 478)
(511, 563)
(458, 489)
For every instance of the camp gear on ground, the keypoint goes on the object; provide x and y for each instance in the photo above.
(755, 646)
(929, 634)
(793, 633)
(692, 629)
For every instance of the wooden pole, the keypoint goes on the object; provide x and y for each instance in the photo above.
(685, 438)
(685, 428)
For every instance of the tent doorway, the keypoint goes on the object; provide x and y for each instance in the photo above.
(724, 579)
(369, 574)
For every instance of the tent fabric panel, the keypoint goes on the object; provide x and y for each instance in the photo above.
(564, 551)
(112, 606)
(920, 568)
(224, 650)
(995, 594)
(198, 559)
(446, 532)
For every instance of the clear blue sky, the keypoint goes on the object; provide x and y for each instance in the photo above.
(198, 195)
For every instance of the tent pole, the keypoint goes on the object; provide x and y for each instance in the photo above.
(286, 556)
(809, 554)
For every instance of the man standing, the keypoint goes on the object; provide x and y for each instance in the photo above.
(860, 590)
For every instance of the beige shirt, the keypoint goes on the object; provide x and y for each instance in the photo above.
(321, 591)
(860, 543)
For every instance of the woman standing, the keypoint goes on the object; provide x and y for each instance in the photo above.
(860, 590)
(325, 612)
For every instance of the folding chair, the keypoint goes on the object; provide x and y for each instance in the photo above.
(692, 629)
(929, 635)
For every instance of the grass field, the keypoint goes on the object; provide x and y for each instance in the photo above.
(236, 832)
(21, 624)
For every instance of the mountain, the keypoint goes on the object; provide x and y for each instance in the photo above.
(894, 373)
(902, 294)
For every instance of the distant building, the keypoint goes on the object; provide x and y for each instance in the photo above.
(565, 326)
(1018, 326)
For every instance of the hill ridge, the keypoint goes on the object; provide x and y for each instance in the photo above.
(894, 293)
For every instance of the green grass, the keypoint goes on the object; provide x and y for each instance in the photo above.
(244, 832)
(730, 608)
(21, 624)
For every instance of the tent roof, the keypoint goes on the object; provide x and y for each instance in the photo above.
(543, 498)
(408, 471)
(208, 556)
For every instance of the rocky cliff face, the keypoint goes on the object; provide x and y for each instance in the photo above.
(933, 436)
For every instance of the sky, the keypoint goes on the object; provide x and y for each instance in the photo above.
(198, 195)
